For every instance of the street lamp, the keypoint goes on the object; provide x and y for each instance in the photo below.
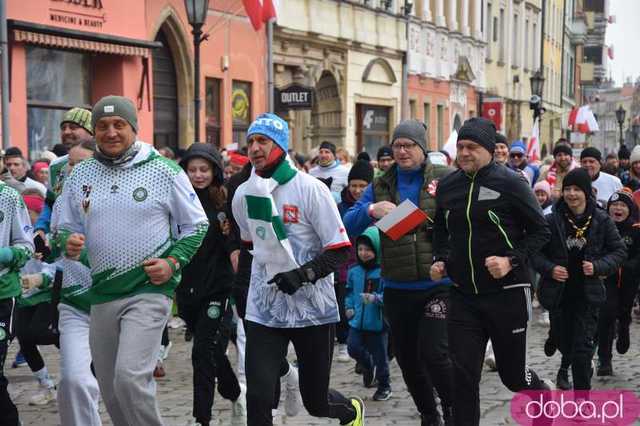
(620, 114)
(537, 87)
(635, 129)
(196, 15)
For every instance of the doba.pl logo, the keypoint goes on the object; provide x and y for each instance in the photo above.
(564, 408)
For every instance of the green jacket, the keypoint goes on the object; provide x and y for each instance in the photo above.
(410, 257)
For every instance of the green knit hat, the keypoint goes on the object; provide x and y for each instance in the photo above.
(115, 106)
(79, 116)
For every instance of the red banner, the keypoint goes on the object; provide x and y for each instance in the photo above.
(493, 111)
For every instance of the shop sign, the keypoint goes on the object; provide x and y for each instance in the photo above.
(294, 96)
(83, 14)
(375, 118)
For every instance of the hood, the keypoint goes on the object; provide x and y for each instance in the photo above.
(208, 152)
(373, 235)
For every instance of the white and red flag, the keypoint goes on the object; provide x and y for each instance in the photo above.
(405, 217)
(533, 146)
(259, 12)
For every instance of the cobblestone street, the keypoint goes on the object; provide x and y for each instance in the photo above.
(175, 389)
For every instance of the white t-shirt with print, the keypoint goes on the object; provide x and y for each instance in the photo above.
(605, 186)
(313, 225)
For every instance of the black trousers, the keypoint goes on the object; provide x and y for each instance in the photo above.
(578, 339)
(342, 327)
(617, 307)
(8, 411)
(418, 323)
(33, 328)
(473, 319)
(208, 356)
(265, 350)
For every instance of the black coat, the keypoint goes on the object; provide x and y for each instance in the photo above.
(605, 249)
(492, 213)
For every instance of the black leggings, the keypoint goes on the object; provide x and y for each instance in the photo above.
(33, 328)
(265, 350)
(208, 357)
(8, 411)
(342, 326)
(418, 321)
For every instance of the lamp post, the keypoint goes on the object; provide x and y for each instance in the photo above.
(635, 129)
(620, 114)
(196, 15)
(535, 102)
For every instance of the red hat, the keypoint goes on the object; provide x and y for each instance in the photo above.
(39, 165)
(238, 159)
(34, 202)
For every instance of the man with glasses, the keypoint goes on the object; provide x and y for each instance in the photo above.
(518, 162)
(415, 306)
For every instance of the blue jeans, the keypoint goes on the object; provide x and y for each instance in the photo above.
(369, 348)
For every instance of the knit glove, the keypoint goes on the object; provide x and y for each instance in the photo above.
(288, 282)
(6, 255)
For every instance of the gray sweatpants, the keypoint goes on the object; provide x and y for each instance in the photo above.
(125, 339)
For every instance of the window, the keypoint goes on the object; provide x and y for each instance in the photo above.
(412, 108)
(212, 102)
(496, 27)
(57, 80)
(534, 51)
(488, 33)
(502, 37)
(440, 128)
(240, 111)
(516, 42)
(527, 48)
(427, 116)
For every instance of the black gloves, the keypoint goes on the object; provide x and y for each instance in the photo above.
(288, 282)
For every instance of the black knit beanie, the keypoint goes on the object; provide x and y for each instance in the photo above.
(361, 170)
(624, 153)
(500, 138)
(580, 178)
(364, 155)
(413, 130)
(591, 152)
(562, 148)
(328, 145)
(481, 131)
(625, 197)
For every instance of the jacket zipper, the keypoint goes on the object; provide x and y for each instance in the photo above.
(473, 277)
(496, 220)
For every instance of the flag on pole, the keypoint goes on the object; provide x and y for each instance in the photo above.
(582, 120)
(259, 11)
(533, 148)
(450, 146)
(401, 220)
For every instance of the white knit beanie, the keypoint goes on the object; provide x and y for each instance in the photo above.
(635, 154)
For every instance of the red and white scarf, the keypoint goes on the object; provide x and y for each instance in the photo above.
(552, 174)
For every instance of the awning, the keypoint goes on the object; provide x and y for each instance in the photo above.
(62, 38)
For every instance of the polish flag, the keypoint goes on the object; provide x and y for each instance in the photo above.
(572, 118)
(401, 220)
(533, 148)
(586, 121)
(259, 11)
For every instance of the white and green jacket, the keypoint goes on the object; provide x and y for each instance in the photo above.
(140, 209)
(16, 233)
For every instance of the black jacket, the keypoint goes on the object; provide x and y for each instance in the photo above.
(492, 213)
(628, 276)
(605, 249)
(209, 274)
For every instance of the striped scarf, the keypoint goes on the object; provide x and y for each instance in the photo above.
(271, 245)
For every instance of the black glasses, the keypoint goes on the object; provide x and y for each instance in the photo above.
(516, 155)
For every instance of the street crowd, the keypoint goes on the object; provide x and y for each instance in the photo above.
(104, 238)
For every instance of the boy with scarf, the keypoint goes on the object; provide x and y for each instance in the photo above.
(297, 240)
(621, 286)
(363, 305)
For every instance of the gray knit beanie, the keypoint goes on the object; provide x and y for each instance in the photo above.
(115, 106)
(414, 130)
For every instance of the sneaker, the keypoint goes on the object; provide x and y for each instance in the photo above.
(544, 319)
(382, 394)
(292, 398)
(188, 335)
(605, 368)
(176, 322)
(562, 380)
(359, 369)
(547, 385)
(431, 420)
(239, 408)
(358, 405)
(490, 362)
(369, 377)
(19, 360)
(159, 370)
(343, 354)
(535, 304)
(166, 349)
(622, 342)
(44, 397)
(550, 347)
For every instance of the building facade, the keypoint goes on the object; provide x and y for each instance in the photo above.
(350, 54)
(445, 65)
(513, 32)
(595, 58)
(65, 54)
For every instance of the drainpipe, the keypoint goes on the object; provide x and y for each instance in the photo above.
(4, 49)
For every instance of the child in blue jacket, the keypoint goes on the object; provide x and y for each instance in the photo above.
(367, 341)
